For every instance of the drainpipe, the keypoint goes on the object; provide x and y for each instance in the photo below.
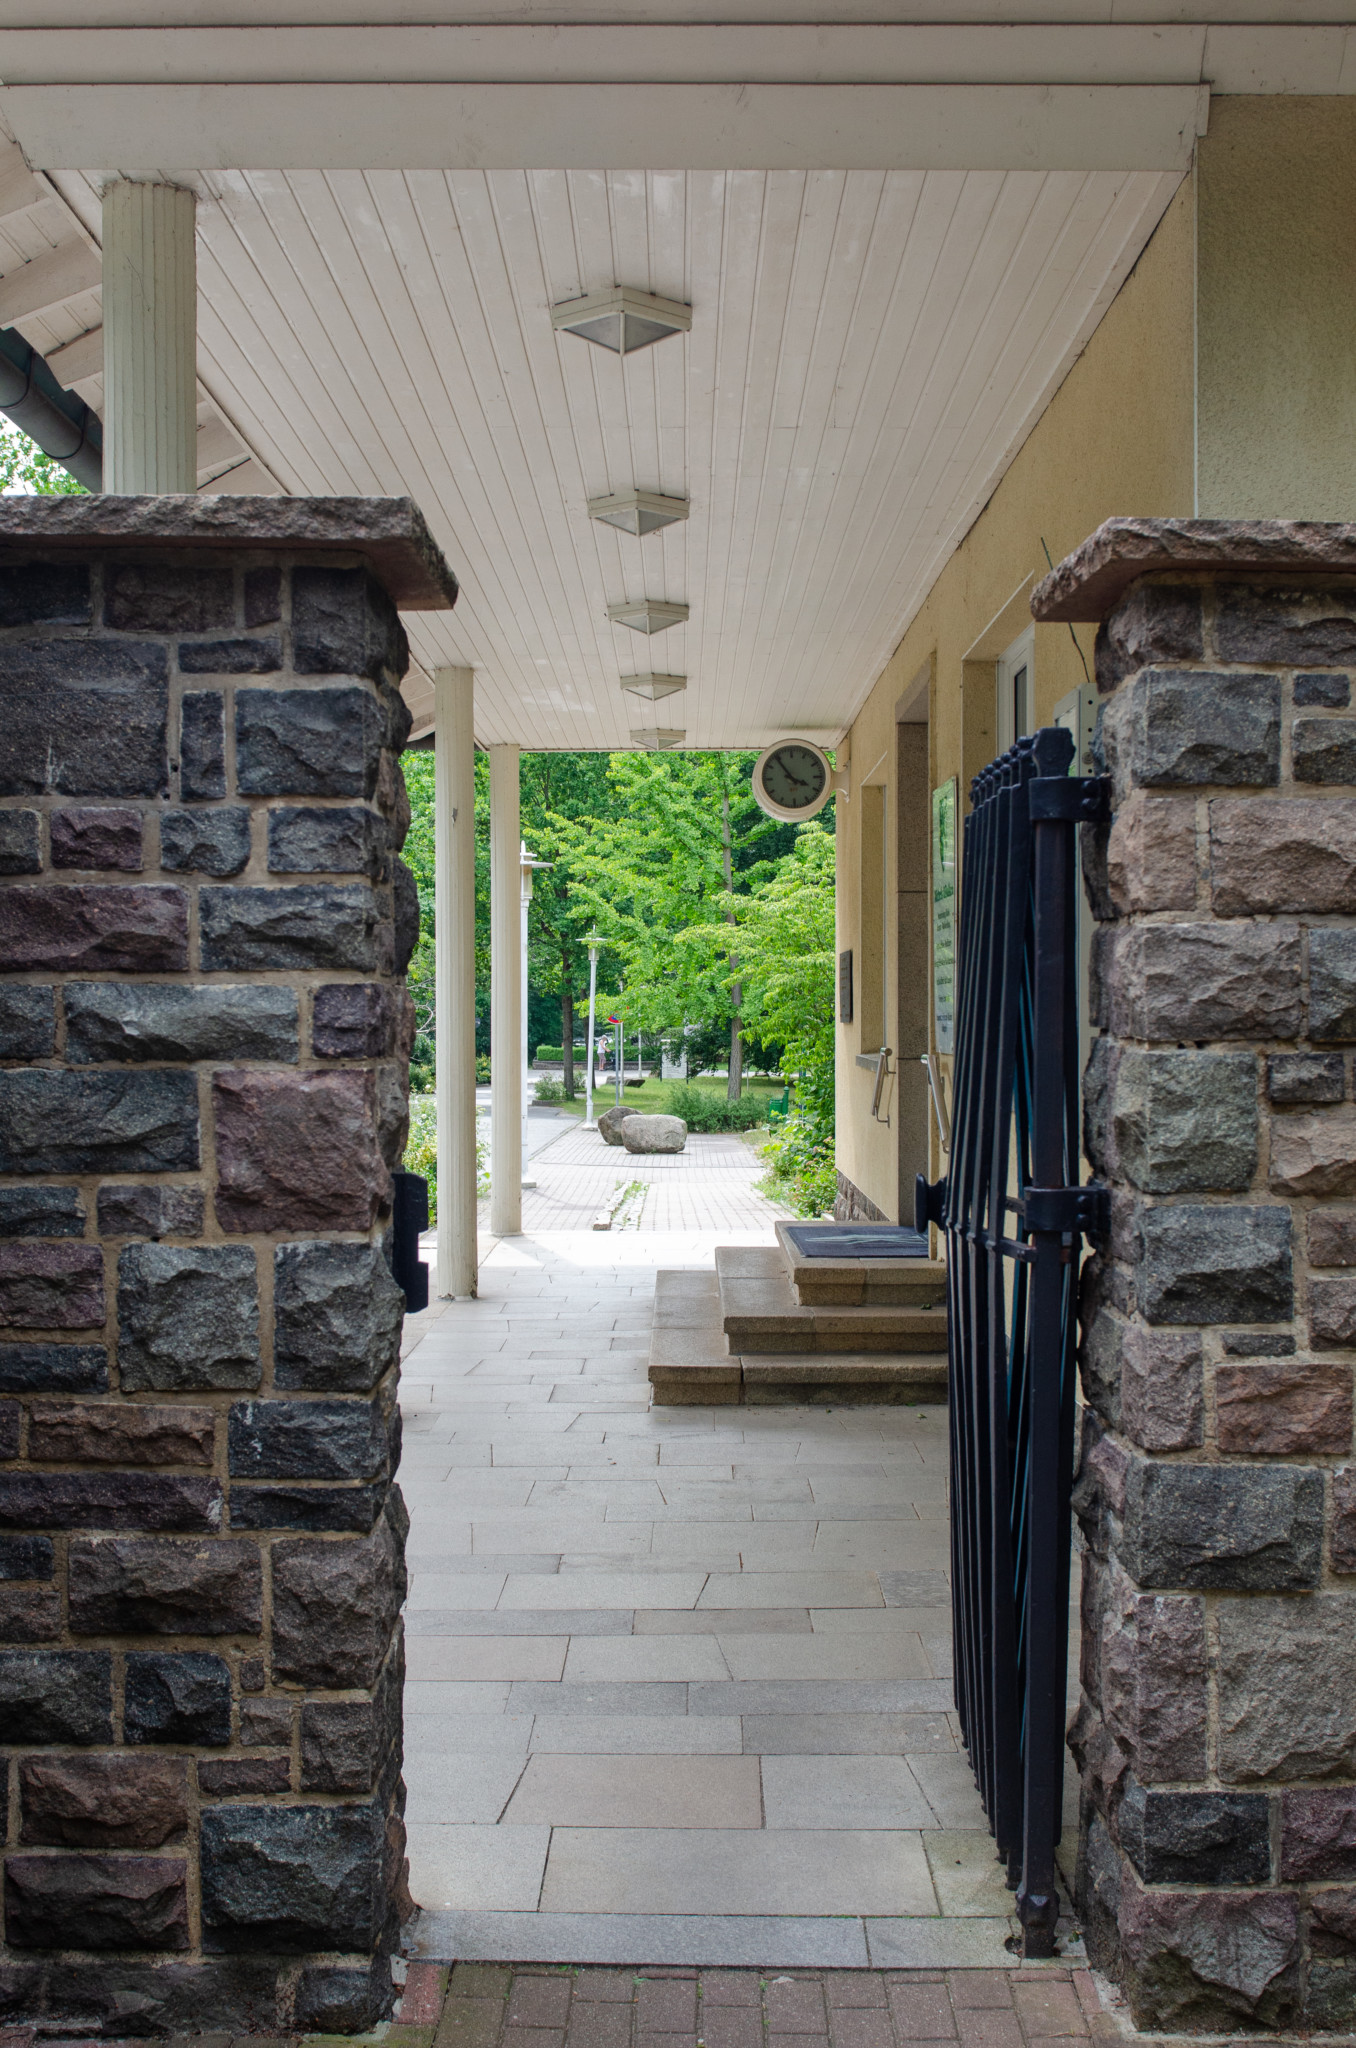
(58, 421)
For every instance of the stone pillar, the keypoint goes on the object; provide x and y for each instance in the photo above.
(506, 980)
(1216, 1734)
(204, 1042)
(150, 338)
(454, 748)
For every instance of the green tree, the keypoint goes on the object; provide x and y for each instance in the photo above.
(562, 795)
(26, 472)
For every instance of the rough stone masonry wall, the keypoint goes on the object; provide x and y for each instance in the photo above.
(204, 1039)
(1217, 1729)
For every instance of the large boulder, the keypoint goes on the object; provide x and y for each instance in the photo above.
(611, 1120)
(654, 1134)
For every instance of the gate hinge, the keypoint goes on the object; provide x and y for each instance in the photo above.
(409, 1215)
(1067, 1210)
(1079, 799)
(929, 1200)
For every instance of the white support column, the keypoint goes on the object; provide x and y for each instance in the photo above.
(454, 882)
(150, 339)
(506, 973)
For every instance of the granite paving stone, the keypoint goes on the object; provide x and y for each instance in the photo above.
(638, 1791)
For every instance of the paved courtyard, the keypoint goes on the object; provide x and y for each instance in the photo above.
(711, 1185)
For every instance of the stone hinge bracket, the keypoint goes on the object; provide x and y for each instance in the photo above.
(1075, 799)
(1068, 1211)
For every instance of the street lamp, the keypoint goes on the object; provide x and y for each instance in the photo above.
(527, 862)
(593, 942)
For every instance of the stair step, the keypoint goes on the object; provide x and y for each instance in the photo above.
(760, 1313)
(848, 1282)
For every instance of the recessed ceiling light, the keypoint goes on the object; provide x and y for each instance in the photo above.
(652, 687)
(660, 736)
(638, 512)
(647, 614)
(622, 319)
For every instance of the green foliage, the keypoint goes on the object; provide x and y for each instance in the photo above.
(417, 854)
(482, 1070)
(704, 1110)
(26, 472)
(787, 930)
(421, 1151)
(551, 1091)
(800, 1164)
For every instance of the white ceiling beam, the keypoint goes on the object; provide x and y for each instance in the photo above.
(19, 189)
(78, 359)
(150, 130)
(72, 267)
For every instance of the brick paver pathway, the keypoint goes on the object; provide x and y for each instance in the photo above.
(710, 1185)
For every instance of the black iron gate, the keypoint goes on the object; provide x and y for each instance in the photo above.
(1014, 1216)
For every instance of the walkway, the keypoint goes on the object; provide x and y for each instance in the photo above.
(711, 1185)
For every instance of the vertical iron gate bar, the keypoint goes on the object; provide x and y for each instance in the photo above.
(1014, 1217)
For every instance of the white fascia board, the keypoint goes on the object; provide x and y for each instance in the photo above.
(153, 130)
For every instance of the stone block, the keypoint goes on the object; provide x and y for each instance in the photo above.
(343, 623)
(354, 1020)
(1186, 1121)
(51, 1286)
(315, 742)
(1161, 1389)
(1218, 1264)
(343, 839)
(297, 1151)
(1287, 1688)
(335, 1606)
(45, 594)
(1151, 854)
(1314, 1155)
(1282, 853)
(202, 745)
(30, 1614)
(148, 1209)
(1332, 985)
(350, 1509)
(297, 1877)
(1193, 728)
(205, 842)
(265, 1724)
(102, 1802)
(1324, 750)
(177, 1696)
(1283, 1407)
(337, 1317)
(165, 596)
(88, 836)
(263, 595)
(20, 843)
(1299, 1077)
(1214, 1838)
(231, 1777)
(1257, 1344)
(56, 1696)
(108, 1500)
(96, 1902)
(306, 1440)
(340, 1745)
(53, 1369)
(393, 1113)
(1331, 691)
(322, 925)
(27, 1557)
(1298, 628)
(1241, 1528)
(27, 1023)
(344, 1999)
(84, 718)
(1153, 623)
(188, 1317)
(405, 895)
(1318, 1834)
(1342, 1534)
(1331, 1237)
(41, 1212)
(254, 657)
(119, 1433)
(1332, 1314)
(183, 1998)
(1200, 981)
(134, 1021)
(1210, 1961)
(9, 1429)
(87, 927)
(125, 1586)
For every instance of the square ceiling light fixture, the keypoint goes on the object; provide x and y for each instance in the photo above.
(622, 319)
(647, 614)
(660, 736)
(653, 688)
(638, 512)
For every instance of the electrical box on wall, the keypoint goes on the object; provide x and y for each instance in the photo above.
(845, 987)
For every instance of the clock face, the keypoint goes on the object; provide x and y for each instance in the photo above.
(794, 776)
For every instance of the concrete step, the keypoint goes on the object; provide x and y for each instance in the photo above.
(849, 1283)
(760, 1313)
(692, 1362)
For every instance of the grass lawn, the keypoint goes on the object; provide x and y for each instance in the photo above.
(652, 1095)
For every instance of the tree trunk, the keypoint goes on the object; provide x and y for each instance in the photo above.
(735, 1085)
(566, 1021)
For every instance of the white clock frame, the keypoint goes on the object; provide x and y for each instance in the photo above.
(834, 784)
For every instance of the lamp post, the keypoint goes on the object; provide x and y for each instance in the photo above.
(592, 942)
(527, 862)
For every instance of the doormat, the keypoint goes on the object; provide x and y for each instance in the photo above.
(857, 1241)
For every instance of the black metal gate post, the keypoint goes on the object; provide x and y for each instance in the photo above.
(1014, 1215)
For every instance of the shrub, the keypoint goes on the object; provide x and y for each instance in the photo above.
(703, 1111)
(421, 1151)
(550, 1090)
(483, 1069)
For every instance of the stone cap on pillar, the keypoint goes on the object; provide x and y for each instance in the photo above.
(1089, 583)
(388, 534)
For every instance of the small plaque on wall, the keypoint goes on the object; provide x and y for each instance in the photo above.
(845, 987)
(944, 807)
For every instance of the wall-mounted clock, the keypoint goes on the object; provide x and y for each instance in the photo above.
(793, 779)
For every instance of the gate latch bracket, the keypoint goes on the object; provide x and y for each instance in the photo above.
(1075, 799)
(1069, 1210)
(929, 1200)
